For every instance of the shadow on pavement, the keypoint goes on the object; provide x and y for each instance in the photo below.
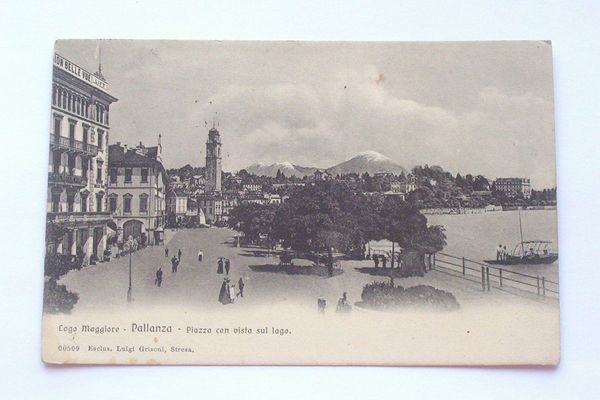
(296, 269)
(380, 271)
(257, 253)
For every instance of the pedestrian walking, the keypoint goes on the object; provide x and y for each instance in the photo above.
(376, 260)
(158, 279)
(504, 254)
(166, 252)
(224, 292)
(232, 293)
(173, 264)
(321, 304)
(342, 305)
(499, 253)
(241, 285)
(227, 266)
(200, 255)
(179, 254)
(383, 261)
(220, 266)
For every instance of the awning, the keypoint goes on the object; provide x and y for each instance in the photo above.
(110, 232)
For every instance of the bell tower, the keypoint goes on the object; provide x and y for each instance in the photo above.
(213, 161)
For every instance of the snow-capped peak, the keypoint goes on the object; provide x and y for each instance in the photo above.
(285, 164)
(373, 156)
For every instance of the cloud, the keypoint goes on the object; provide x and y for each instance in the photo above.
(325, 124)
(320, 105)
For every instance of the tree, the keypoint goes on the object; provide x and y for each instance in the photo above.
(327, 214)
(405, 225)
(481, 183)
(253, 220)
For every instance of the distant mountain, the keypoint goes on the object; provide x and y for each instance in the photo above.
(368, 161)
(287, 168)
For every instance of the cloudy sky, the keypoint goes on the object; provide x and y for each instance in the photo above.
(481, 108)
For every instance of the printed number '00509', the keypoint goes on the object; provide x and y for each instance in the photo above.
(68, 347)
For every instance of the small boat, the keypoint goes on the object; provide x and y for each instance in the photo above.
(529, 252)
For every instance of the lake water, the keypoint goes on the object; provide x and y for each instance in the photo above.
(476, 236)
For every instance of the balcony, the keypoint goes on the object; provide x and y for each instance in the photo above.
(66, 179)
(58, 142)
(77, 218)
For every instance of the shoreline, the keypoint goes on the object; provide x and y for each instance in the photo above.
(484, 210)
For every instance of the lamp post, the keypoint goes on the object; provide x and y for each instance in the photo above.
(129, 248)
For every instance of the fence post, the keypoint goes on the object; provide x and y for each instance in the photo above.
(463, 265)
(487, 274)
(500, 277)
(538, 285)
(482, 279)
(544, 286)
(433, 265)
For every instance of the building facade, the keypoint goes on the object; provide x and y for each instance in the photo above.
(213, 161)
(216, 207)
(252, 187)
(137, 188)
(513, 187)
(78, 157)
(177, 202)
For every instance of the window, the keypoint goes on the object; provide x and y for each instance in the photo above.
(86, 129)
(57, 123)
(112, 203)
(70, 201)
(71, 164)
(84, 203)
(98, 202)
(144, 175)
(127, 203)
(113, 175)
(127, 175)
(84, 169)
(101, 140)
(144, 203)
(55, 202)
(99, 171)
(72, 132)
(56, 157)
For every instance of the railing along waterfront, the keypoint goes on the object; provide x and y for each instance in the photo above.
(73, 145)
(492, 276)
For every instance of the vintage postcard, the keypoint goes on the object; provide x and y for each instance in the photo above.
(301, 203)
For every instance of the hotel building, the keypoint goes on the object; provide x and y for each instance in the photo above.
(512, 187)
(77, 179)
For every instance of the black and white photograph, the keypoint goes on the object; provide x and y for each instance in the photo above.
(302, 202)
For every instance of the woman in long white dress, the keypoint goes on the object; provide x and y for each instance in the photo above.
(232, 292)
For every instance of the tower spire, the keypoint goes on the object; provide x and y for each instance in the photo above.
(99, 72)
